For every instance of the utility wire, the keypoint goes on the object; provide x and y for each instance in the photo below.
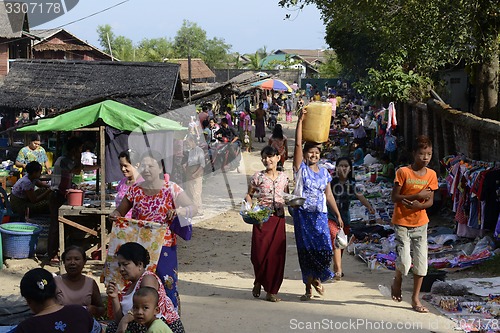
(96, 13)
(78, 20)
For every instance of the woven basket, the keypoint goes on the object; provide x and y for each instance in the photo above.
(19, 239)
(43, 221)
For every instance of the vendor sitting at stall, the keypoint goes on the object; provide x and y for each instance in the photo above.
(65, 167)
(387, 173)
(358, 154)
(33, 152)
(25, 198)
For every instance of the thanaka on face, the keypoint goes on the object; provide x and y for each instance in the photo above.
(145, 309)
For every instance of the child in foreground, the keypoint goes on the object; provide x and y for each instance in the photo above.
(413, 193)
(146, 308)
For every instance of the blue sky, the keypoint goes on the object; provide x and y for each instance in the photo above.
(245, 25)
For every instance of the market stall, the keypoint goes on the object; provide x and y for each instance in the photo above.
(120, 127)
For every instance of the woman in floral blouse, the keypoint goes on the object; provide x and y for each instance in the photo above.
(269, 239)
(159, 201)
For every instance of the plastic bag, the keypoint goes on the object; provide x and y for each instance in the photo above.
(485, 243)
(341, 240)
(245, 207)
(182, 227)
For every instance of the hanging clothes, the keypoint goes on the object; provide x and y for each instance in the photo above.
(475, 190)
(392, 122)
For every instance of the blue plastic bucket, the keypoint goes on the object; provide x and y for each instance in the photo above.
(19, 239)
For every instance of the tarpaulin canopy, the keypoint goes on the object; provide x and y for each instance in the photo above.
(113, 114)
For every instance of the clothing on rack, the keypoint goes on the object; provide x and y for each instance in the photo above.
(475, 190)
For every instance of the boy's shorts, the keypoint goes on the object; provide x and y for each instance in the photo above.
(414, 240)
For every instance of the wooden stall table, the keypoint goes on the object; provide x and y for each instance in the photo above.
(67, 211)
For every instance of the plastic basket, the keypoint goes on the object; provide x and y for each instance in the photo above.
(19, 239)
(250, 220)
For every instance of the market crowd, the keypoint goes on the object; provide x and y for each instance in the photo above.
(148, 299)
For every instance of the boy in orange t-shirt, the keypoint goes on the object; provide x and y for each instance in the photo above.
(412, 193)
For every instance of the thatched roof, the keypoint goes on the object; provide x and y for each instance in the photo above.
(63, 85)
(12, 25)
(61, 47)
(63, 40)
(199, 70)
(237, 85)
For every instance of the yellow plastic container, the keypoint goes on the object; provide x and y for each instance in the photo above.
(316, 124)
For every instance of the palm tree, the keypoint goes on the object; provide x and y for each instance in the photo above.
(255, 61)
(263, 52)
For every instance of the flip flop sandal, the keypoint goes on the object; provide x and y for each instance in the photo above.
(272, 298)
(306, 297)
(420, 308)
(256, 290)
(338, 276)
(320, 289)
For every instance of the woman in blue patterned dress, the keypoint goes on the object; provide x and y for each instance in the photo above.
(314, 246)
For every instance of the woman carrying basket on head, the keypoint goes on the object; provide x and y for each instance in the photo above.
(314, 246)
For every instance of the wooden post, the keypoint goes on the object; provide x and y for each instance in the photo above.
(61, 244)
(438, 135)
(407, 124)
(102, 172)
(425, 123)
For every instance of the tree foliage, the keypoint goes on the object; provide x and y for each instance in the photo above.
(155, 49)
(105, 37)
(122, 47)
(392, 81)
(331, 67)
(433, 34)
(190, 40)
(255, 61)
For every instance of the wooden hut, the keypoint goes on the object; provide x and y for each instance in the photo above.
(61, 44)
(56, 86)
(14, 37)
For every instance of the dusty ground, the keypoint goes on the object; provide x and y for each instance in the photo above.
(216, 277)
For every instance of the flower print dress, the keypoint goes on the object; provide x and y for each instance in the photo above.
(154, 208)
(121, 190)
